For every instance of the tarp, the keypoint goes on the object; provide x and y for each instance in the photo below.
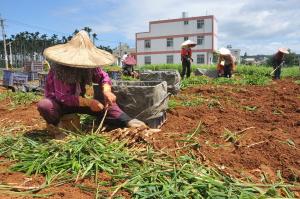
(172, 77)
(143, 100)
(206, 72)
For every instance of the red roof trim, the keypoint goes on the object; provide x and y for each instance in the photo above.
(175, 36)
(171, 51)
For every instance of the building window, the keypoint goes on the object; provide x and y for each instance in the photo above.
(147, 44)
(200, 59)
(170, 59)
(185, 22)
(185, 38)
(147, 60)
(200, 24)
(169, 42)
(200, 40)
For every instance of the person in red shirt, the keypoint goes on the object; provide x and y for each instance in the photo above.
(186, 58)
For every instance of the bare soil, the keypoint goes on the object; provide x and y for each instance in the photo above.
(269, 135)
(265, 120)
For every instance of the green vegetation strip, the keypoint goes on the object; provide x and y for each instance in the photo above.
(143, 173)
(241, 80)
(19, 98)
(262, 70)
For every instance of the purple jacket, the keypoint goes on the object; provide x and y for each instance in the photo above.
(68, 94)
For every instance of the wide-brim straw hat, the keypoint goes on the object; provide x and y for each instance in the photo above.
(188, 43)
(284, 50)
(79, 52)
(224, 51)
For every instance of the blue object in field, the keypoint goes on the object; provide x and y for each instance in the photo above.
(115, 75)
(33, 76)
(12, 78)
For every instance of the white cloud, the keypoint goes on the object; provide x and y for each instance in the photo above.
(255, 26)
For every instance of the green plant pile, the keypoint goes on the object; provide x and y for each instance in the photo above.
(111, 68)
(19, 98)
(128, 78)
(142, 173)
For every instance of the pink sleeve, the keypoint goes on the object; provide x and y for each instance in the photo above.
(56, 89)
(101, 77)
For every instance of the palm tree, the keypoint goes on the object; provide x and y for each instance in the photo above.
(44, 40)
(75, 31)
(88, 30)
(64, 39)
(53, 39)
(94, 37)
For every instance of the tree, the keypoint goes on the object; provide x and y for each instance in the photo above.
(54, 39)
(94, 37)
(292, 59)
(75, 32)
(64, 39)
(106, 48)
(88, 30)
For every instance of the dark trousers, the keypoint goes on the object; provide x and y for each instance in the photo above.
(52, 111)
(186, 68)
(227, 71)
(277, 73)
(127, 70)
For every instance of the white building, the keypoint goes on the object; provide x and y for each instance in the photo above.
(162, 44)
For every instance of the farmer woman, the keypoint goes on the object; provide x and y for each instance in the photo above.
(75, 65)
(226, 63)
(128, 64)
(277, 62)
(186, 57)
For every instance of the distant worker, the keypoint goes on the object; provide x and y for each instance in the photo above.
(277, 62)
(226, 63)
(129, 62)
(73, 66)
(186, 57)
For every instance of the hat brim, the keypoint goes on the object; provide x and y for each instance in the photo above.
(188, 43)
(79, 52)
(224, 51)
(68, 55)
(284, 51)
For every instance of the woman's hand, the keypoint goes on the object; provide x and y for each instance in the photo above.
(110, 98)
(96, 106)
(93, 104)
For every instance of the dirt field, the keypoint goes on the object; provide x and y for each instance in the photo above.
(245, 131)
(269, 132)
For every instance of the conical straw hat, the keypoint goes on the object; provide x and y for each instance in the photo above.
(79, 52)
(224, 51)
(188, 43)
(284, 50)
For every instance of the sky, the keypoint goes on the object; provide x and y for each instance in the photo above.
(254, 26)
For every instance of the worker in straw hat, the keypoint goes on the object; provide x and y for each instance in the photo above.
(186, 57)
(226, 63)
(73, 66)
(277, 61)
